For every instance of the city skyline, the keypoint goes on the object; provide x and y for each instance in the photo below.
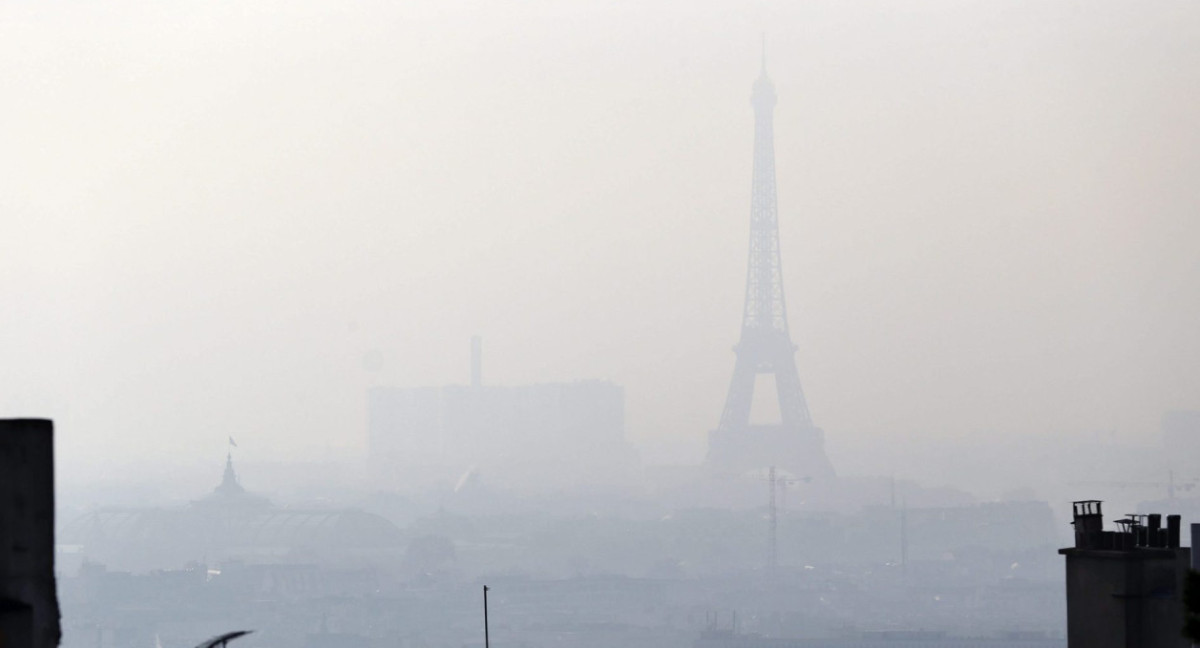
(988, 218)
(320, 317)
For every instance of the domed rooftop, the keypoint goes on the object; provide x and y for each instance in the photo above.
(229, 523)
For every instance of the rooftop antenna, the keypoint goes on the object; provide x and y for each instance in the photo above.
(486, 642)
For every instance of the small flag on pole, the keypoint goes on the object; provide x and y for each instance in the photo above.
(232, 443)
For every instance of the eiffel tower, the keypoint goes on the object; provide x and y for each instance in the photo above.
(794, 443)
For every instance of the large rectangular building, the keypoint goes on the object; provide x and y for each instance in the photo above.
(554, 434)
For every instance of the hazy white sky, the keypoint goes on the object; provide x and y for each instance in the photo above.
(210, 211)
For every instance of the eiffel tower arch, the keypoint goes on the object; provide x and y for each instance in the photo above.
(794, 443)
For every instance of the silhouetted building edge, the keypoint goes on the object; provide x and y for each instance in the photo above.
(29, 615)
(1125, 587)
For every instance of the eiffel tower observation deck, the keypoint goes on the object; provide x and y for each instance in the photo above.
(792, 443)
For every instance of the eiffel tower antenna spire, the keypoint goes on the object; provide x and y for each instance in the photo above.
(794, 443)
(764, 53)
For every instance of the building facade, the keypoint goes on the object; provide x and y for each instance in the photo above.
(28, 599)
(1125, 587)
(549, 435)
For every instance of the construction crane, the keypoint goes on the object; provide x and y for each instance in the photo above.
(1170, 484)
(774, 481)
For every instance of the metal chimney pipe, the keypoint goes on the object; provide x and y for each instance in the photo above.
(1154, 535)
(1195, 544)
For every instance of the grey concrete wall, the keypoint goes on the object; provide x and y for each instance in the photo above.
(1162, 600)
(28, 600)
(1122, 599)
(1096, 615)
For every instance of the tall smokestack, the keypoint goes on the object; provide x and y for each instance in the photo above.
(476, 361)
